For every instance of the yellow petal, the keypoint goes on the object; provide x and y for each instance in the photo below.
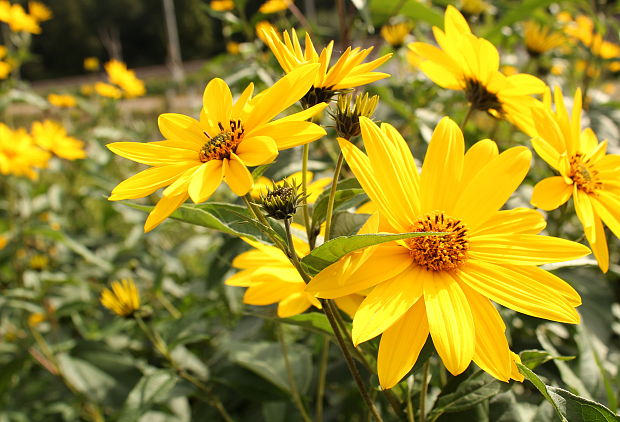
(288, 134)
(443, 167)
(401, 344)
(478, 156)
(153, 155)
(237, 176)
(386, 303)
(266, 293)
(148, 181)
(293, 305)
(518, 220)
(585, 212)
(517, 291)
(524, 249)
(551, 192)
(546, 151)
(551, 281)
(599, 245)
(217, 104)
(166, 206)
(450, 321)
(257, 150)
(607, 206)
(205, 181)
(182, 129)
(491, 187)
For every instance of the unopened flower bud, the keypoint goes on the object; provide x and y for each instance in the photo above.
(281, 201)
(349, 110)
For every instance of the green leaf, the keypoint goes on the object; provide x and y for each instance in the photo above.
(153, 388)
(567, 405)
(341, 197)
(534, 358)
(522, 11)
(333, 250)
(382, 10)
(227, 218)
(475, 389)
(311, 320)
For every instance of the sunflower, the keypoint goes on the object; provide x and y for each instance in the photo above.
(444, 285)
(19, 155)
(471, 64)
(586, 173)
(349, 71)
(52, 137)
(540, 39)
(126, 79)
(122, 298)
(198, 154)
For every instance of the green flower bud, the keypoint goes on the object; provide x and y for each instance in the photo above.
(349, 110)
(281, 201)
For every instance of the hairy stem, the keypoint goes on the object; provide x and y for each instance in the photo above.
(332, 197)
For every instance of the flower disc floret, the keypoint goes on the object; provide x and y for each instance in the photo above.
(584, 174)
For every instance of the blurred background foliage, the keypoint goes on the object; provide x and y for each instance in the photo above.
(64, 357)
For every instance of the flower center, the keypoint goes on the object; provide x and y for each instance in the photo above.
(583, 174)
(480, 98)
(223, 144)
(439, 253)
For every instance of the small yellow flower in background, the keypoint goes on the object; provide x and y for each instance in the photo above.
(509, 70)
(263, 27)
(62, 100)
(91, 64)
(123, 298)
(198, 155)
(471, 64)
(19, 155)
(126, 79)
(232, 48)
(53, 137)
(557, 69)
(314, 189)
(4, 240)
(17, 18)
(540, 39)
(35, 319)
(587, 173)
(474, 7)
(582, 29)
(222, 5)
(38, 262)
(395, 34)
(39, 11)
(349, 71)
(274, 6)
(5, 70)
(87, 89)
(444, 285)
(107, 90)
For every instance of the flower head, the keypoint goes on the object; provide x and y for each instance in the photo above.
(349, 109)
(471, 64)
(39, 11)
(52, 137)
(587, 173)
(17, 18)
(313, 189)
(281, 202)
(91, 64)
(349, 71)
(198, 154)
(395, 34)
(126, 79)
(274, 6)
(444, 285)
(62, 100)
(122, 298)
(540, 39)
(222, 5)
(107, 90)
(19, 155)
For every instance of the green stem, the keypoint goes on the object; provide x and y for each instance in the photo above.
(349, 360)
(304, 192)
(291, 377)
(320, 388)
(410, 413)
(424, 390)
(467, 116)
(266, 227)
(292, 254)
(332, 198)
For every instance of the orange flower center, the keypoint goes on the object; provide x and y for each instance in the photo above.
(439, 253)
(583, 174)
(223, 144)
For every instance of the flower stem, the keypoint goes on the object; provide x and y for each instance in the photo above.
(291, 253)
(320, 389)
(467, 116)
(266, 227)
(332, 198)
(424, 390)
(349, 360)
(291, 377)
(304, 193)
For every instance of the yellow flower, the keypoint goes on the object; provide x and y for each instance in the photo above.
(587, 173)
(222, 5)
(39, 262)
(471, 64)
(271, 278)
(232, 48)
(5, 70)
(18, 153)
(273, 6)
(62, 100)
(474, 7)
(444, 285)
(91, 64)
(53, 137)
(4, 239)
(263, 27)
(540, 39)
(582, 29)
(18, 19)
(39, 11)
(3, 51)
(126, 79)
(107, 90)
(509, 70)
(395, 34)
(35, 319)
(349, 71)
(557, 69)
(123, 298)
(87, 89)
(314, 189)
(197, 155)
